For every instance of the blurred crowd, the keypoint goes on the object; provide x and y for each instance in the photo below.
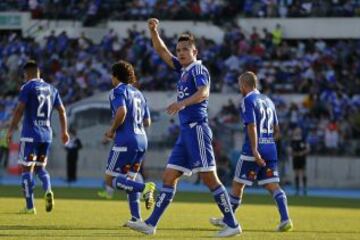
(328, 71)
(91, 12)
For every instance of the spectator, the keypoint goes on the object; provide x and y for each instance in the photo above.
(72, 149)
(299, 149)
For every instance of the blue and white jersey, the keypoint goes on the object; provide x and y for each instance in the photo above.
(259, 109)
(39, 98)
(131, 133)
(191, 78)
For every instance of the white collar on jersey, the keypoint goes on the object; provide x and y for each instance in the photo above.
(191, 65)
(120, 83)
(36, 79)
(252, 92)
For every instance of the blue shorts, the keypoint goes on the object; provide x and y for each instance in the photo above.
(33, 153)
(193, 151)
(124, 161)
(247, 171)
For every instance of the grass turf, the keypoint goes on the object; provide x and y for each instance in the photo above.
(79, 214)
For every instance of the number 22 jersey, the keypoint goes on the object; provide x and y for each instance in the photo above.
(259, 109)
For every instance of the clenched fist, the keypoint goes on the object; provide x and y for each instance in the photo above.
(153, 24)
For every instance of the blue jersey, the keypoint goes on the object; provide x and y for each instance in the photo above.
(259, 109)
(131, 132)
(191, 78)
(39, 98)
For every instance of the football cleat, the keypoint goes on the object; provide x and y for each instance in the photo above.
(285, 226)
(104, 194)
(229, 231)
(142, 227)
(49, 201)
(148, 194)
(25, 210)
(217, 222)
(130, 221)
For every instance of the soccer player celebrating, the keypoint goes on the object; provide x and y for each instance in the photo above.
(258, 160)
(37, 100)
(193, 151)
(130, 114)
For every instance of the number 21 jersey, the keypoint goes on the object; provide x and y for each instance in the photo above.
(39, 98)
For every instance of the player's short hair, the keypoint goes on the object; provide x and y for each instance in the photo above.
(31, 66)
(249, 79)
(124, 72)
(187, 37)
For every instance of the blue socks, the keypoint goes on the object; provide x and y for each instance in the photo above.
(235, 202)
(164, 198)
(222, 199)
(28, 187)
(134, 200)
(281, 202)
(44, 178)
(123, 183)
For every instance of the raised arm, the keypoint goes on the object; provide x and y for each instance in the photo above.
(158, 43)
(63, 123)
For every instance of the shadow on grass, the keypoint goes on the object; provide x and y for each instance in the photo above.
(189, 197)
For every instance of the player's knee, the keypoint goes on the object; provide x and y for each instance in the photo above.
(170, 178)
(108, 180)
(237, 188)
(272, 187)
(210, 179)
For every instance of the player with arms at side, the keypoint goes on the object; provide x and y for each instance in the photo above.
(193, 151)
(258, 160)
(130, 114)
(37, 100)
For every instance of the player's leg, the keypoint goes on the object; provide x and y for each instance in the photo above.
(42, 150)
(304, 177)
(199, 147)
(26, 159)
(134, 197)
(165, 197)
(245, 174)
(297, 177)
(268, 177)
(177, 165)
(121, 160)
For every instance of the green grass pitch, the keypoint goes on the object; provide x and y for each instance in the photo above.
(79, 214)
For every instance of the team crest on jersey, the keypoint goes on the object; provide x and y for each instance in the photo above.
(136, 167)
(269, 172)
(126, 168)
(31, 157)
(184, 77)
(251, 175)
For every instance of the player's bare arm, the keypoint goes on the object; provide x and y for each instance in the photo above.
(63, 124)
(277, 133)
(158, 43)
(147, 122)
(201, 94)
(19, 110)
(118, 120)
(251, 128)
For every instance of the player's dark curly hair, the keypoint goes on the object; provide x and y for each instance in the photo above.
(124, 72)
(187, 36)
